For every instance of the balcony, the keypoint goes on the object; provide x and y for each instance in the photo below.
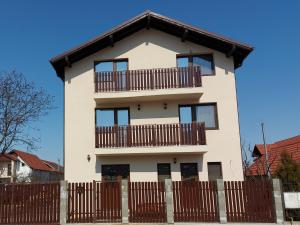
(151, 139)
(148, 84)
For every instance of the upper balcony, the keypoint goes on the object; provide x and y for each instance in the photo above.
(151, 139)
(148, 84)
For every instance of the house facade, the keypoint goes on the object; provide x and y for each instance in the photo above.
(19, 166)
(152, 99)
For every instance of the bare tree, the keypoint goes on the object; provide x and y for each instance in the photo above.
(21, 103)
(246, 156)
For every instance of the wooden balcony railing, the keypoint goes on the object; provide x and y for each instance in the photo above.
(150, 135)
(148, 79)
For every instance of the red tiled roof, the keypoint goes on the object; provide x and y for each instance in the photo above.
(6, 157)
(291, 146)
(55, 167)
(32, 160)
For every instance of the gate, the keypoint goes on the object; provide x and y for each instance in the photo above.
(146, 202)
(249, 201)
(195, 201)
(94, 202)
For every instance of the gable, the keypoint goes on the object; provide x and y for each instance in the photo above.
(150, 20)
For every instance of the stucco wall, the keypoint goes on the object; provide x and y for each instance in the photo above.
(149, 49)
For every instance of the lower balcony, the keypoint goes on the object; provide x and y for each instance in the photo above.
(151, 139)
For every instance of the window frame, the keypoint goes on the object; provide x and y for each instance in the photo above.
(197, 169)
(193, 108)
(169, 164)
(190, 59)
(114, 61)
(215, 163)
(115, 114)
(115, 165)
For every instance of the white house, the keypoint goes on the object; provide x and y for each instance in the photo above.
(153, 98)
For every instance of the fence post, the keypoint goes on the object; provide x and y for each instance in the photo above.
(277, 194)
(221, 201)
(124, 194)
(63, 202)
(169, 200)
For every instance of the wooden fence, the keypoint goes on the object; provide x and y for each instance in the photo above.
(29, 203)
(148, 79)
(94, 202)
(249, 201)
(146, 201)
(150, 135)
(195, 201)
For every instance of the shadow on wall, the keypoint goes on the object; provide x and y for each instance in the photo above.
(142, 164)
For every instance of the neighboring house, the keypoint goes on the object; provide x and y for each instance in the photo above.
(19, 166)
(136, 98)
(7, 163)
(258, 168)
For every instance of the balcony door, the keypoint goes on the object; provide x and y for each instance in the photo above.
(113, 73)
(116, 120)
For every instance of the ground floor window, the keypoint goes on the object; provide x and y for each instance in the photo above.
(189, 171)
(115, 172)
(163, 171)
(214, 170)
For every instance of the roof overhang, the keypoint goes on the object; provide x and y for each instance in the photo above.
(149, 20)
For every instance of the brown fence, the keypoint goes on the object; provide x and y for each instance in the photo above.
(249, 201)
(195, 201)
(29, 203)
(146, 202)
(150, 135)
(94, 202)
(148, 79)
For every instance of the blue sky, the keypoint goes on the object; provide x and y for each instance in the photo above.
(268, 83)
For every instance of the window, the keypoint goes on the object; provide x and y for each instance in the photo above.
(112, 117)
(110, 66)
(203, 113)
(115, 172)
(163, 171)
(214, 170)
(204, 61)
(189, 171)
(119, 66)
(9, 169)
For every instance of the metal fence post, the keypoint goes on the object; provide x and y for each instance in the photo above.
(221, 201)
(63, 202)
(169, 200)
(277, 194)
(124, 196)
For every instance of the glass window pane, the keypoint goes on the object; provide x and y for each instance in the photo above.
(122, 65)
(205, 62)
(105, 117)
(206, 114)
(104, 67)
(185, 114)
(123, 117)
(163, 171)
(182, 62)
(214, 171)
(189, 171)
(115, 172)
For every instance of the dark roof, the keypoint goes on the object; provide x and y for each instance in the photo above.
(291, 146)
(149, 19)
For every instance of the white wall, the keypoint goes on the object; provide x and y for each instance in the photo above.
(149, 49)
(23, 172)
